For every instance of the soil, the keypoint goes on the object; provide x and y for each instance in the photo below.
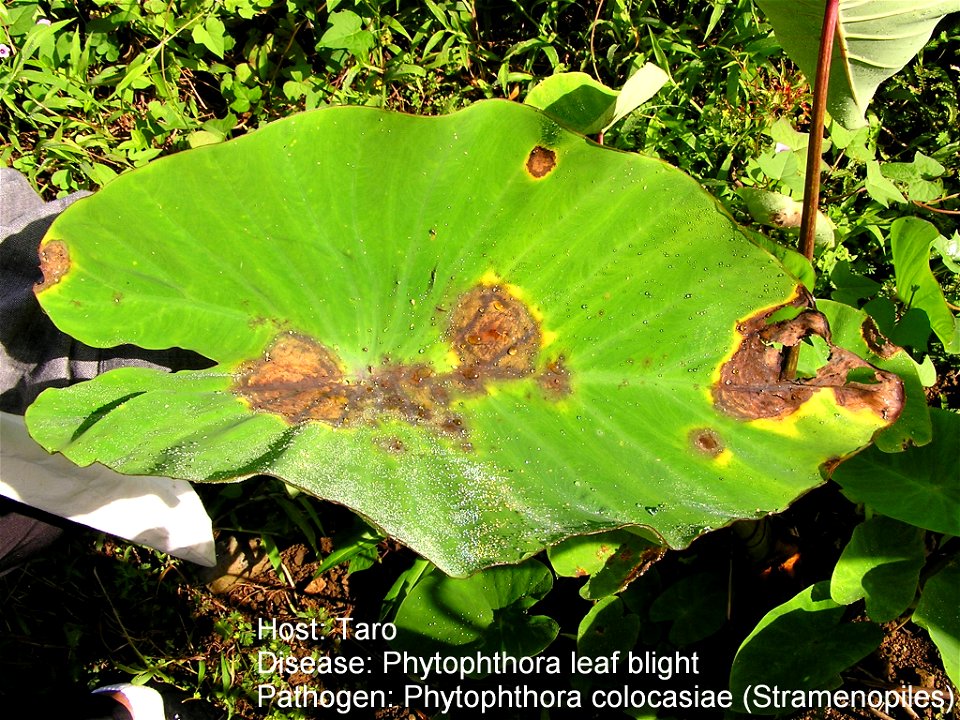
(90, 608)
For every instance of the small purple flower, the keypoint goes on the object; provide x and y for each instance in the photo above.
(43, 21)
(5, 51)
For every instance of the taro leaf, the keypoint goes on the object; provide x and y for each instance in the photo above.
(608, 628)
(612, 560)
(803, 644)
(485, 613)
(697, 605)
(881, 563)
(585, 554)
(583, 104)
(483, 333)
(874, 40)
(632, 558)
(920, 486)
(854, 330)
(576, 100)
(910, 241)
(939, 612)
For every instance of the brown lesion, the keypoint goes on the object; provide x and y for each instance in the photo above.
(493, 334)
(706, 441)
(541, 161)
(876, 341)
(752, 383)
(54, 264)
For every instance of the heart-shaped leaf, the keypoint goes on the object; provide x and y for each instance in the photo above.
(802, 644)
(881, 563)
(482, 332)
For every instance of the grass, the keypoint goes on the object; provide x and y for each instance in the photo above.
(95, 88)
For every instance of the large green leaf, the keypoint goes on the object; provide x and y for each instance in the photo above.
(803, 644)
(874, 40)
(881, 563)
(482, 332)
(920, 486)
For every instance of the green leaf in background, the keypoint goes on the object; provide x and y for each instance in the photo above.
(920, 486)
(607, 628)
(358, 548)
(696, 605)
(639, 87)
(483, 333)
(585, 555)
(874, 40)
(576, 100)
(612, 560)
(211, 35)
(803, 644)
(910, 241)
(851, 287)
(939, 612)
(911, 330)
(346, 32)
(583, 104)
(949, 249)
(880, 188)
(486, 613)
(402, 587)
(631, 559)
(881, 563)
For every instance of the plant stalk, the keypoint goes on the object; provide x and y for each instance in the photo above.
(811, 182)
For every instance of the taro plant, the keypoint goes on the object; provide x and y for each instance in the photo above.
(482, 332)
(488, 335)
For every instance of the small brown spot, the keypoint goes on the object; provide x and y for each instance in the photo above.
(706, 441)
(54, 264)
(555, 379)
(392, 445)
(541, 161)
(751, 385)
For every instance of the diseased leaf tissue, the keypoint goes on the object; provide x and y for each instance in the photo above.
(493, 334)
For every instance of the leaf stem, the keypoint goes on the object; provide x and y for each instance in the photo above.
(811, 188)
(811, 182)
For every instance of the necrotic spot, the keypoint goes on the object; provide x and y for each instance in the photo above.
(54, 264)
(706, 442)
(541, 161)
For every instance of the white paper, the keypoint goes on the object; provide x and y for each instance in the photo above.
(162, 513)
